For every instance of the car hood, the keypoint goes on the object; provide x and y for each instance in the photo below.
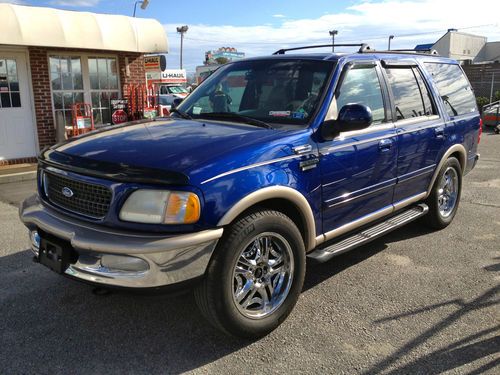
(174, 145)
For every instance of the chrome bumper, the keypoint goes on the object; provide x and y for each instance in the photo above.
(118, 258)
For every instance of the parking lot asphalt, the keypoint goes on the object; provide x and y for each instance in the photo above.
(414, 301)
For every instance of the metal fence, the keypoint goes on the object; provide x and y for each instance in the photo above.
(485, 79)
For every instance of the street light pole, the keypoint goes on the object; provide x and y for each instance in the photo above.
(391, 37)
(144, 5)
(332, 34)
(182, 30)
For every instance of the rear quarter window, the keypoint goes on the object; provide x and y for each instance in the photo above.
(453, 88)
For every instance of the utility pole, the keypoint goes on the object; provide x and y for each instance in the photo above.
(332, 34)
(391, 37)
(182, 30)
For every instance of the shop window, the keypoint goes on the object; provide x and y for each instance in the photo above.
(9, 84)
(103, 75)
(67, 86)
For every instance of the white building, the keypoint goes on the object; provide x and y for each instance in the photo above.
(465, 47)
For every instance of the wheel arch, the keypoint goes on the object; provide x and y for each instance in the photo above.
(458, 151)
(275, 197)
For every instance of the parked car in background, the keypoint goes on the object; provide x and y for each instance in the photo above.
(269, 162)
(491, 114)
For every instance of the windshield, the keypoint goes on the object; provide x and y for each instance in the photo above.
(274, 91)
(173, 90)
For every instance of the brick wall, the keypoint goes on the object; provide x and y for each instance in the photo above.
(136, 68)
(40, 78)
(17, 161)
(41, 95)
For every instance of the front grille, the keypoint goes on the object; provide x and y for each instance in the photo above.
(87, 199)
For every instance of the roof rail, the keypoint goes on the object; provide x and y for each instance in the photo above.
(428, 51)
(363, 47)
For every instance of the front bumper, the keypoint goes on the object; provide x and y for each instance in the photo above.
(123, 259)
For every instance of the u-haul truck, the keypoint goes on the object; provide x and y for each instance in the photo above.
(169, 81)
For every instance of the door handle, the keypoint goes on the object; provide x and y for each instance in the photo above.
(385, 144)
(439, 132)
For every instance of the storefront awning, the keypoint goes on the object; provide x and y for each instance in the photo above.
(48, 27)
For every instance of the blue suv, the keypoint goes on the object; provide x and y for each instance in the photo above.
(269, 162)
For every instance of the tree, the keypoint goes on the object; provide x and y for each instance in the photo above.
(222, 60)
(481, 101)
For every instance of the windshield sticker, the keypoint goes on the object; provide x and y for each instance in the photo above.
(279, 113)
(197, 110)
(299, 115)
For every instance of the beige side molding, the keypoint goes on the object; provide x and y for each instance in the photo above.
(281, 192)
(462, 159)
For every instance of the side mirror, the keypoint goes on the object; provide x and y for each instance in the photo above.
(175, 103)
(351, 117)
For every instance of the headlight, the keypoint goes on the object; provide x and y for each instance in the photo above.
(161, 207)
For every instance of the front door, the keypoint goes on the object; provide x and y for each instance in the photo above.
(359, 167)
(17, 131)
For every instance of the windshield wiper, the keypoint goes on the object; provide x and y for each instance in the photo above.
(184, 115)
(237, 116)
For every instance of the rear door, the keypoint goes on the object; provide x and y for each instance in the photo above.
(420, 130)
(459, 104)
(359, 167)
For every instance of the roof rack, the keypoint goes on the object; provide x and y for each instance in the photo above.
(363, 47)
(428, 51)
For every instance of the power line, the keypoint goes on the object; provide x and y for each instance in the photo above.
(343, 41)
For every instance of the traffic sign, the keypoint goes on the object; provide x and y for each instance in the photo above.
(119, 116)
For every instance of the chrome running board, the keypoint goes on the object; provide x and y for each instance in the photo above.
(324, 254)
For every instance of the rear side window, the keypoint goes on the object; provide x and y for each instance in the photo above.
(453, 88)
(411, 97)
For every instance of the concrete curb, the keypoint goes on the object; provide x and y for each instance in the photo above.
(16, 177)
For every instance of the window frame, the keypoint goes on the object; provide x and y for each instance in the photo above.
(84, 61)
(415, 67)
(436, 88)
(386, 99)
(9, 91)
(108, 91)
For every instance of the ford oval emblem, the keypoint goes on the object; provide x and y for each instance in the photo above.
(67, 192)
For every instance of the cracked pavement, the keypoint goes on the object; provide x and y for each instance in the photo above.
(414, 301)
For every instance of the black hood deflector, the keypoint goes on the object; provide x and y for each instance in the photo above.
(111, 171)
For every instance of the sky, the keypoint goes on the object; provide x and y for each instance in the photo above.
(260, 27)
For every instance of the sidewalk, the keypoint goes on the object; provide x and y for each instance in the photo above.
(17, 172)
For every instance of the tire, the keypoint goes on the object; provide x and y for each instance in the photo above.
(218, 294)
(440, 213)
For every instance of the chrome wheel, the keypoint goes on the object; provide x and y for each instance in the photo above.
(263, 275)
(448, 192)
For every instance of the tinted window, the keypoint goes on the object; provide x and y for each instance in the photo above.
(453, 88)
(426, 96)
(411, 99)
(362, 86)
(277, 90)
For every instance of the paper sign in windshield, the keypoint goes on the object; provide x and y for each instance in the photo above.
(279, 113)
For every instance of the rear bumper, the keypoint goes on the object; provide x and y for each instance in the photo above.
(123, 259)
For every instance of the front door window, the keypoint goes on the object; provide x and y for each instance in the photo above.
(9, 84)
